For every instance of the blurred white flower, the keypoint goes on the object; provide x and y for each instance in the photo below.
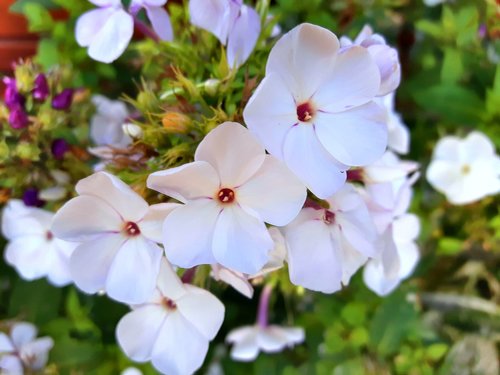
(118, 232)
(230, 192)
(327, 246)
(399, 135)
(465, 170)
(233, 23)
(60, 189)
(106, 127)
(158, 16)
(388, 168)
(314, 109)
(131, 371)
(431, 3)
(22, 350)
(32, 248)
(384, 55)
(172, 329)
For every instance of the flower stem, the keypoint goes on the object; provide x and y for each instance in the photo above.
(145, 29)
(263, 309)
(188, 275)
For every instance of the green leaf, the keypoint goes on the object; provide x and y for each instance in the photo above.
(436, 351)
(354, 313)
(449, 246)
(39, 18)
(452, 69)
(47, 54)
(18, 5)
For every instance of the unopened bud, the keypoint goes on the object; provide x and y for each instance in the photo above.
(132, 130)
(211, 86)
(176, 123)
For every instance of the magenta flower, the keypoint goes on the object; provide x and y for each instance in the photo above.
(41, 90)
(63, 100)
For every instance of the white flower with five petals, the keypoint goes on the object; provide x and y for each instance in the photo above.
(230, 191)
(118, 232)
(106, 126)
(32, 248)
(172, 329)
(314, 109)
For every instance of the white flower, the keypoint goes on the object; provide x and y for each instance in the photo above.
(106, 124)
(314, 109)
(465, 170)
(327, 246)
(249, 340)
(385, 56)
(173, 329)
(234, 24)
(399, 135)
(399, 243)
(32, 248)
(131, 371)
(158, 16)
(59, 191)
(118, 232)
(230, 190)
(388, 168)
(22, 350)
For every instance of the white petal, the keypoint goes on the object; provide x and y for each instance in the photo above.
(216, 16)
(308, 159)
(161, 22)
(443, 174)
(448, 148)
(27, 255)
(350, 258)
(236, 279)
(389, 256)
(181, 247)
(133, 273)
(5, 344)
(375, 279)
(355, 80)
(54, 193)
(19, 220)
(11, 365)
(90, 262)
(245, 346)
(477, 145)
(36, 353)
(130, 205)
(169, 284)
(189, 181)
(387, 61)
(180, 349)
(270, 113)
(22, 333)
(58, 271)
(113, 38)
(294, 335)
(202, 309)
(137, 331)
(151, 226)
(243, 36)
(274, 206)
(241, 242)
(273, 338)
(233, 152)
(85, 218)
(354, 137)
(89, 24)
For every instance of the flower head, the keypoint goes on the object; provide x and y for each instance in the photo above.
(63, 100)
(12, 97)
(106, 127)
(118, 232)
(59, 148)
(18, 118)
(314, 109)
(230, 190)
(31, 198)
(41, 90)
(173, 328)
(465, 170)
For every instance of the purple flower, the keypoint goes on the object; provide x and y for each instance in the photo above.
(59, 147)
(41, 89)
(30, 198)
(18, 118)
(63, 100)
(12, 97)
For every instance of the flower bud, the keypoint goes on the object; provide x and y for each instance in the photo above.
(211, 86)
(63, 100)
(12, 97)
(18, 118)
(176, 123)
(41, 89)
(59, 147)
(31, 199)
(132, 130)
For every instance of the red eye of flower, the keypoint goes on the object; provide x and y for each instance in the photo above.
(329, 217)
(169, 304)
(131, 229)
(226, 195)
(305, 112)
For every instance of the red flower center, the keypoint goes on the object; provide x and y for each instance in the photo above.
(305, 112)
(328, 217)
(169, 304)
(131, 229)
(226, 195)
(49, 236)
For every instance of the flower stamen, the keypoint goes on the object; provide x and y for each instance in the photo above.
(305, 112)
(226, 195)
(131, 229)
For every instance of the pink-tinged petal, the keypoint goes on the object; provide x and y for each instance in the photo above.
(151, 226)
(90, 262)
(113, 38)
(11, 365)
(85, 218)
(28, 256)
(130, 205)
(309, 160)
(303, 58)
(181, 247)
(36, 353)
(207, 319)
(169, 284)
(215, 16)
(23, 333)
(387, 61)
(241, 242)
(180, 348)
(160, 20)
(6, 345)
(355, 137)
(19, 220)
(236, 279)
(233, 152)
(133, 273)
(243, 36)
(312, 259)
(189, 181)
(245, 346)
(138, 331)
(89, 24)
(274, 206)
(270, 113)
(355, 81)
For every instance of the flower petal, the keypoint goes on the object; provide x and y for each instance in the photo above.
(308, 159)
(28, 255)
(18, 220)
(245, 346)
(5, 344)
(36, 352)
(236, 279)
(160, 20)
(216, 16)
(169, 284)
(151, 226)
(11, 365)
(241, 242)
(233, 152)
(23, 333)
(243, 36)
(387, 61)
(89, 23)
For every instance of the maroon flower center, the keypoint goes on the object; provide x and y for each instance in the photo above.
(305, 112)
(131, 229)
(225, 195)
(328, 217)
(49, 236)
(169, 304)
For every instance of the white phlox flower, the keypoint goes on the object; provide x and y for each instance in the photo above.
(327, 246)
(236, 25)
(314, 109)
(21, 350)
(229, 192)
(388, 168)
(465, 170)
(32, 248)
(118, 233)
(60, 189)
(173, 328)
(384, 55)
(158, 16)
(399, 134)
(106, 126)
